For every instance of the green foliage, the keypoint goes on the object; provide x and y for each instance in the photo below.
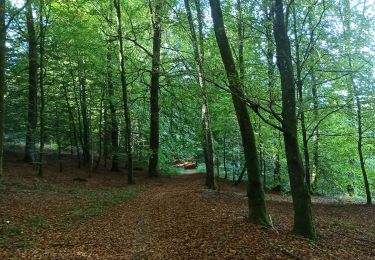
(77, 43)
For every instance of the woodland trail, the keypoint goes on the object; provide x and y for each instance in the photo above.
(176, 218)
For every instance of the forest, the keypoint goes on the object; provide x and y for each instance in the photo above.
(187, 129)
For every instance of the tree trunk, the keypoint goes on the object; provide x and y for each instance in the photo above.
(84, 113)
(2, 82)
(154, 89)
(100, 133)
(198, 47)
(240, 36)
(32, 115)
(257, 206)
(348, 35)
(303, 222)
(316, 167)
(239, 180)
(301, 102)
(73, 124)
(112, 109)
(125, 97)
(225, 156)
(42, 32)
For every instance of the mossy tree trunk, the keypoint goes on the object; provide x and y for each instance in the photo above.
(155, 10)
(303, 222)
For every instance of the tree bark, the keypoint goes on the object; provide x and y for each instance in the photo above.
(32, 115)
(301, 102)
(2, 82)
(256, 201)
(154, 89)
(125, 93)
(42, 29)
(240, 36)
(348, 48)
(303, 222)
(84, 112)
(73, 124)
(112, 109)
(198, 48)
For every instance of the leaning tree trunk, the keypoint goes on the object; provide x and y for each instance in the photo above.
(303, 222)
(198, 48)
(257, 206)
(125, 93)
(2, 81)
(154, 90)
(32, 115)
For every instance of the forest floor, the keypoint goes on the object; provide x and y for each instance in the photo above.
(165, 218)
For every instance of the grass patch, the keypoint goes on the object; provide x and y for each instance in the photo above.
(100, 199)
(343, 224)
(24, 242)
(11, 230)
(38, 221)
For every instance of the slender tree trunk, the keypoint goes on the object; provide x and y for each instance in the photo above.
(360, 138)
(198, 47)
(315, 173)
(100, 132)
(239, 180)
(303, 222)
(314, 91)
(2, 82)
(128, 131)
(73, 125)
(240, 36)
(301, 102)
(32, 115)
(112, 109)
(348, 35)
(84, 113)
(155, 10)
(270, 54)
(78, 112)
(257, 206)
(42, 32)
(225, 156)
(58, 138)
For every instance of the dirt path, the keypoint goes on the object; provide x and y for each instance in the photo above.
(176, 218)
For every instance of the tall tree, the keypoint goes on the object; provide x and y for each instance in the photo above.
(84, 109)
(303, 222)
(42, 35)
(155, 9)
(198, 47)
(2, 81)
(112, 109)
(125, 94)
(348, 37)
(32, 115)
(257, 206)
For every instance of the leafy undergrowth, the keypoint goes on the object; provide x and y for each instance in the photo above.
(165, 218)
